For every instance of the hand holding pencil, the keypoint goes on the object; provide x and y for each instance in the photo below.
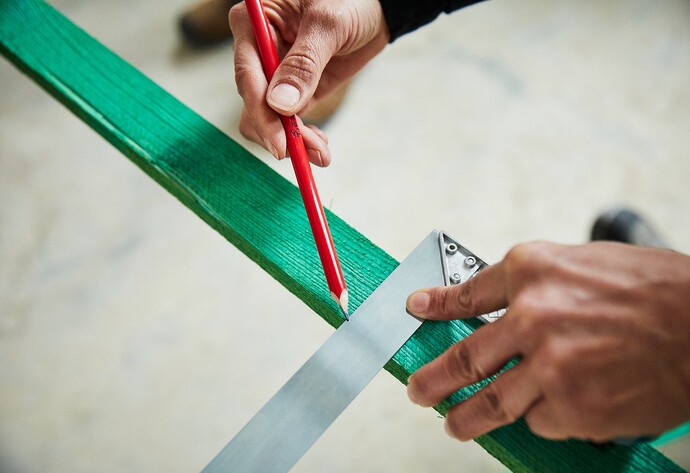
(300, 163)
(326, 42)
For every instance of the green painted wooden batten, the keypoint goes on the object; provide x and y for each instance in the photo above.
(217, 179)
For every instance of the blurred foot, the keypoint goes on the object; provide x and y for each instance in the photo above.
(206, 23)
(626, 226)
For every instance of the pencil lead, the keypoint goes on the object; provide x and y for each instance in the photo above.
(342, 303)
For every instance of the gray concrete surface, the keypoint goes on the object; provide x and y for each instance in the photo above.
(134, 338)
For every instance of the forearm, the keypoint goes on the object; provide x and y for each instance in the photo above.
(405, 16)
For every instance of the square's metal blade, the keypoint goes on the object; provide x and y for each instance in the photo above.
(296, 416)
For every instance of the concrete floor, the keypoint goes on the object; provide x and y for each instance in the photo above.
(133, 337)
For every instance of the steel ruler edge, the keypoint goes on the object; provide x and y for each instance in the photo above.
(296, 416)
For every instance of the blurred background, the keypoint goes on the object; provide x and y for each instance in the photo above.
(135, 338)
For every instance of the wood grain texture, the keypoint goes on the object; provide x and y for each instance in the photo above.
(254, 208)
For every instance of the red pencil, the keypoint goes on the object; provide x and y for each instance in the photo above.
(300, 163)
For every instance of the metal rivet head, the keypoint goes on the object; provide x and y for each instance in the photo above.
(470, 261)
(451, 249)
(455, 278)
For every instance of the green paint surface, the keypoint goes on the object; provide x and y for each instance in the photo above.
(254, 209)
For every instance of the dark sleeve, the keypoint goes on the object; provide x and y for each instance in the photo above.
(404, 16)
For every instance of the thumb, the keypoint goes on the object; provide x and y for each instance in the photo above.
(439, 303)
(483, 293)
(298, 74)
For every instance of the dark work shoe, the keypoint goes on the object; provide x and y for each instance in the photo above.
(626, 226)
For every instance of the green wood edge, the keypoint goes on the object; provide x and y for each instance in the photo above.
(254, 208)
(672, 435)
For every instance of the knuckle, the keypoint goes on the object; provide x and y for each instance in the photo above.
(525, 259)
(543, 426)
(300, 68)
(461, 367)
(237, 15)
(327, 18)
(555, 373)
(552, 378)
(536, 314)
(553, 368)
(560, 356)
(518, 254)
(456, 301)
(532, 321)
(461, 299)
(495, 407)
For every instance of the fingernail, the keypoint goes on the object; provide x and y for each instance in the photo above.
(284, 96)
(320, 158)
(315, 157)
(271, 149)
(418, 302)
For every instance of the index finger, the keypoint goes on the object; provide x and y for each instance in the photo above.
(486, 292)
(473, 359)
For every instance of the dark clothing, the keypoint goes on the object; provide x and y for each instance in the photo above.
(404, 16)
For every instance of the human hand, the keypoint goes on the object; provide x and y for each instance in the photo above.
(603, 335)
(324, 43)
